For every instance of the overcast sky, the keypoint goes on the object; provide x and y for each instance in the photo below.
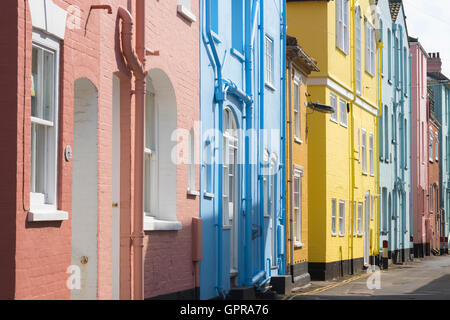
(429, 20)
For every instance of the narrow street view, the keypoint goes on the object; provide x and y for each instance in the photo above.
(427, 279)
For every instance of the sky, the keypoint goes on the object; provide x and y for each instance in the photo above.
(429, 20)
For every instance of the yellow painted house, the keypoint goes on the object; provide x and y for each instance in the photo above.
(342, 147)
(299, 67)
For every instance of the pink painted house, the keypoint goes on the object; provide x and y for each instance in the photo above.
(419, 145)
(100, 184)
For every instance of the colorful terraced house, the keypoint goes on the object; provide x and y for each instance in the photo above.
(342, 170)
(395, 161)
(243, 119)
(299, 67)
(439, 85)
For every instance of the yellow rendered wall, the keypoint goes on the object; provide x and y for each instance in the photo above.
(330, 154)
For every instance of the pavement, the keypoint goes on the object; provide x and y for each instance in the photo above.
(425, 279)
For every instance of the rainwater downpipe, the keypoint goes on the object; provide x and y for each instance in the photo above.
(352, 133)
(219, 97)
(261, 111)
(283, 133)
(379, 116)
(291, 171)
(248, 125)
(138, 68)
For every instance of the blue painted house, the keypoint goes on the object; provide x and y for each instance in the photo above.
(440, 86)
(242, 121)
(395, 133)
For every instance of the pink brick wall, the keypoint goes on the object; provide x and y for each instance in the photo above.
(420, 141)
(43, 250)
(168, 256)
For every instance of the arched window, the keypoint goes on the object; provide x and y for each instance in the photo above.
(230, 183)
(160, 176)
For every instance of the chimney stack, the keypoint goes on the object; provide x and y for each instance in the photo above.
(434, 62)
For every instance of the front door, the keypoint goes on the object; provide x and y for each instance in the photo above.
(85, 192)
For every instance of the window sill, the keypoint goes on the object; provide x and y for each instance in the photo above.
(365, 174)
(270, 87)
(152, 224)
(344, 125)
(341, 235)
(299, 141)
(334, 234)
(335, 121)
(299, 245)
(186, 13)
(47, 215)
(193, 193)
(208, 195)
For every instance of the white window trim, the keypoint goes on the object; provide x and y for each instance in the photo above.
(370, 47)
(430, 146)
(437, 147)
(342, 112)
(364, 151)
(358, 56)
(372, 154)
(41, 211)
(341, 222)
(342, 26)
(297, 112)
(299, 174)
(360, 218)
(334, 205)
(269, 73)
(192, 165)
(335, 107)
(153, 220)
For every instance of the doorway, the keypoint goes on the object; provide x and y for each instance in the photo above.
(367, 230)
(85, 189)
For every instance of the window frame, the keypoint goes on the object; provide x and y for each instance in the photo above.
(192, 165)
(372, 154)
(370, 48)
(334, 116)
(341, 218)
(334, 217)
(269, 76)
(342, 26)
(358, 56)
(343, 113)
(436, 136)
(297, 108)
(48, 201)
(430, 145)
(364, 151)
(360, 218)
(298, 175)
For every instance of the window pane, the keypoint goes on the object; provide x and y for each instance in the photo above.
(38, 158)
(48, 85)
(147, 192)
(35, 84)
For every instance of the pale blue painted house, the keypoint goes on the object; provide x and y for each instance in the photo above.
(243, 116)
(395, 134)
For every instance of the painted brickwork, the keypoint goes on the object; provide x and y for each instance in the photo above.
(39, 253)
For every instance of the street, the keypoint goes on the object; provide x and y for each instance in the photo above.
(425, 279)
